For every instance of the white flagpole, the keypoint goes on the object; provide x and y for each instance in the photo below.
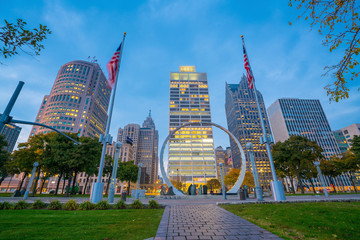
(277, 187)
(97, 191)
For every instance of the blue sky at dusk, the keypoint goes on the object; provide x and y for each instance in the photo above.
(287, 61)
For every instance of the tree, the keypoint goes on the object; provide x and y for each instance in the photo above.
(338, 21)
(4, 158)
(107, 171)
(213, 184)
(232, 176)
(128, 171)
(355, 146)
(177, 184)
(248, 180)
(15, 37)
(332, 168)
(351, 164)
(295, 157)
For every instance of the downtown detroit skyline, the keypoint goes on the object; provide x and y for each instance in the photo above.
(287, 61)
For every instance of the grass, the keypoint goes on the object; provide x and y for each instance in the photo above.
(95, 224)
(61, 195)
(325, 220)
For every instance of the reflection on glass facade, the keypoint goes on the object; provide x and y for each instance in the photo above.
(191, 149)
(243, 121)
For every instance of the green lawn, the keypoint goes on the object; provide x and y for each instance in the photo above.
(94, 224)
(325, 220)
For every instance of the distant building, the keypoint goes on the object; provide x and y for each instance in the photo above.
(305, 117)
(11, 133)
(243, 121)
(191, 149)
(350, 131)
(341, 141)
(222, 156)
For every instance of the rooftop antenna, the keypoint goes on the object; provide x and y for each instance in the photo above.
(150, 113)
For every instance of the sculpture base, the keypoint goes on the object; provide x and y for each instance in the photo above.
(138, 193)
(97, 192)
(278, 190)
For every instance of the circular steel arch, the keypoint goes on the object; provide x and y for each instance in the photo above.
(241, 177)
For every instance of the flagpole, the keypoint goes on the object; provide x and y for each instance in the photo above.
(277, 187)
(98, 187)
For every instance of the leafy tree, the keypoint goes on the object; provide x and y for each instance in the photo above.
(15, 37)
(351, 164)
(249, 180)
(338, 21)
(177, 184)
(213, 184)
(4, 158)
(232, 176)
(107, 171)
(128, 171)
(332, 168)
(355, 146)
(295, 157)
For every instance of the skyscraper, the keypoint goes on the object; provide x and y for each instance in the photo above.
(222, 156)
(305, 117)
(11, 133)
(191, 149)
(78, 101)
(145, 141)
(243, 121)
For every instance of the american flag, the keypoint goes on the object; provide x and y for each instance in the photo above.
(229, 160)
(113, 67)
(249, 74)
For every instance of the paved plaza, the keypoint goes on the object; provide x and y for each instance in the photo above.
(199, 217)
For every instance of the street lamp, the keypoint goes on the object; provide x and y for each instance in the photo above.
(222, 179)
(323, 183)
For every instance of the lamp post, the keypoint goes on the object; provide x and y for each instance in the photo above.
(258, 191)
(323, 183)
(118, 145)
(26, 195)
(221, 165)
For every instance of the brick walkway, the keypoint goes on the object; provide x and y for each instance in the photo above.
(206, 222)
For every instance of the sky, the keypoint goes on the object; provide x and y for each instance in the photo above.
(287, 61)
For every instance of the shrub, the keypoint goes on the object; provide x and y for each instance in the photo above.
(154, 204)
(55, 205)
(86, 206)
(102, 205)
(137, 204)
(5, 206)
(21, 205)
(120, 204)
(70, 205)
(38, 204)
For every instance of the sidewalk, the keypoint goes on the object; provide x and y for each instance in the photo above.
(209, 221)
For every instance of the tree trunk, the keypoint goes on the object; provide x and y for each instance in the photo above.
(292, 184)
(58, 183)
(332, 184)
(128, 188)
(42, 184)
(353, 182)
(68, 187)
(312, 185)
(108, 183)
(36, 182)
(300, 183)
(22, 181)
(62, 191)
(73, 185)
(86, 183)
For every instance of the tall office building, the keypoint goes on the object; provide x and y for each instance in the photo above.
(341, 141)
(145, 141)
(222, 156)
(243, 121)
(11, 133)
(305, 117)
(350, 131)
(191, 149)
(78, 101)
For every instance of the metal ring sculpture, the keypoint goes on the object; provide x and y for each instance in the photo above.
(239, 181)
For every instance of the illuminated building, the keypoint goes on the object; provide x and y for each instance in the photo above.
(350, 131)
(341, 141)
(243, 121)
(305, 117)
(222, 156)
(78, 101)
(191, 149)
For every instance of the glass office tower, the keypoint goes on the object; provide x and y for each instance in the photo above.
(191, 149)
